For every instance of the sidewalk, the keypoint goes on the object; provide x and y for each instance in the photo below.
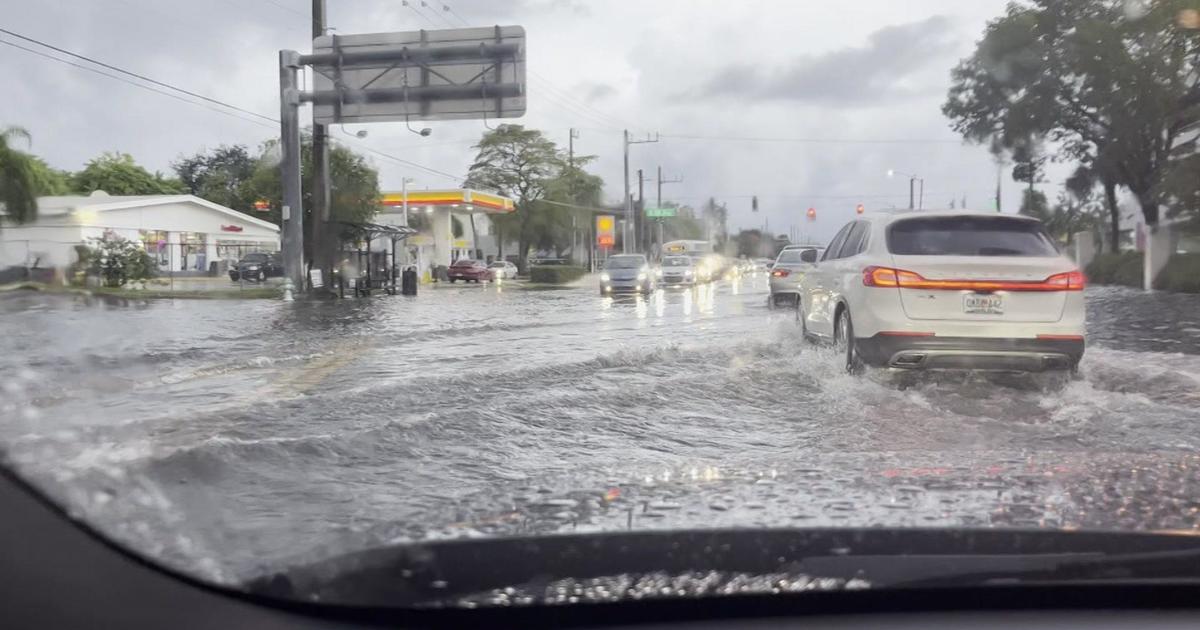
(200, 284)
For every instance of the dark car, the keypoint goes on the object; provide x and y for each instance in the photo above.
(257, 267)
(467, 270)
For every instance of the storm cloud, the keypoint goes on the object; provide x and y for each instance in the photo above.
(880, 71)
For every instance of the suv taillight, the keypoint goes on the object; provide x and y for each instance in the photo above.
(889, 277)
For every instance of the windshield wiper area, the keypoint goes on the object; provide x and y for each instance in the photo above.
(1173, 565)
(701, 563)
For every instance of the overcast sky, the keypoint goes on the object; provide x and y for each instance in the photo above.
(804, 104)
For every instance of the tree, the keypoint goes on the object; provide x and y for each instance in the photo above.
(354, 183)
(220, 176)
(554, 224)
(749, 243)
(118, 174)
(18, 178)
(1110, 87)
(519, 163)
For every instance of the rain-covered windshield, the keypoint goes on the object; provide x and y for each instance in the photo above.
(1002, 329)
(969, 236)
(790, 256)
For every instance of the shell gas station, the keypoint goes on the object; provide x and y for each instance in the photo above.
(435, 244)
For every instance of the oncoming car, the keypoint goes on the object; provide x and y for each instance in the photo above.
(627, 272)
(678, 270)
(503, 270)
(946, 290)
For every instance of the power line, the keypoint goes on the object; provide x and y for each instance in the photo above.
(562, 94)
(189, 93)
(437, 13)
(133, 83)
(414, 10)
(287, 8)
(451, 11)
(582, 107)
(389, 156)
(576, 206)
(137, 76)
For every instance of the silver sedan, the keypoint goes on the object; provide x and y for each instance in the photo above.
(788, 270)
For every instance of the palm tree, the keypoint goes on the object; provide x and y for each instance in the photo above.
(18, 182)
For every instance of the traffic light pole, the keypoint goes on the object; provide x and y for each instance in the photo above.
(628, 193)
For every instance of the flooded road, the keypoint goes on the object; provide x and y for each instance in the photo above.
(232, 437)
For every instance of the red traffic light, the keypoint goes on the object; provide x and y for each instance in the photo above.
(812, 214)
(859, 208)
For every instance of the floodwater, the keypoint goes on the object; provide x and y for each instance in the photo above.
(229, 438)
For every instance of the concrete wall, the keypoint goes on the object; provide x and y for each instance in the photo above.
(1160, 244)
(49, 245)
(1085, 249)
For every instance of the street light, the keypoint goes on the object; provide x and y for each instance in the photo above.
(911, 180)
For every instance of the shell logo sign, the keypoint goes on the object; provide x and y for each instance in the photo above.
(605, 232)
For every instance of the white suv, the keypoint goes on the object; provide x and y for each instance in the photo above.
(957, 290)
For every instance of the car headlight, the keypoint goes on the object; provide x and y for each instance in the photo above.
(688, 272)
(605, 277)
(642, 276)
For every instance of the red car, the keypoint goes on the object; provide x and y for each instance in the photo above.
(467, 270)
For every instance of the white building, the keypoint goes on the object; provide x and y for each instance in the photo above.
(185, 233)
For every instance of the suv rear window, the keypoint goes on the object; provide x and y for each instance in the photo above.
(969, 236)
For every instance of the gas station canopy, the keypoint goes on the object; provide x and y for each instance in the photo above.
(459, 199)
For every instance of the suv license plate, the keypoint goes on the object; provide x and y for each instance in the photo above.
(983, 304)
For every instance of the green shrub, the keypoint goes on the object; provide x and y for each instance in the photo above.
(1182, 274)
(116, 260)
(1124, 268)
(555, 274)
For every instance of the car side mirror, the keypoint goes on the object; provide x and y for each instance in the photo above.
(808, 256)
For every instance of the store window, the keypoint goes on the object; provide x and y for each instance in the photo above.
(155, 243)
(192, 254)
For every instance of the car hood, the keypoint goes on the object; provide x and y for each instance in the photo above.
(623, 274)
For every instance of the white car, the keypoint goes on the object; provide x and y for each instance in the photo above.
(503, 270)
(946, 290)
(677, 271)
(787, 271)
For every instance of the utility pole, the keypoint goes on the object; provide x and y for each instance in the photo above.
(639, 227)
(289, 168)
(662, 181)
(628, 194)
(574, 133)
(320, 235)
(571, 135)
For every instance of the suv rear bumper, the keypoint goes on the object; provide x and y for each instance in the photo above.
(970, 353)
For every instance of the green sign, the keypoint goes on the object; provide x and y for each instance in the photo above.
(659, 213)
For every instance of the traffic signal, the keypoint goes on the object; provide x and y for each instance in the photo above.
(812, 214)
(754, 203)
(859, 209)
